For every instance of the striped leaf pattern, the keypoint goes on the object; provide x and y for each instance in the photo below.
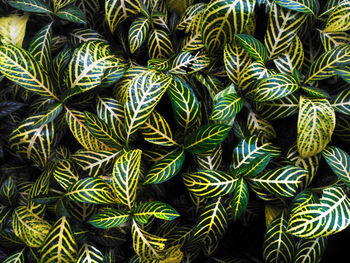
(76, 123)
(138, 32)
(40, 46)
(109, 218)
(282, 27)
(240, 198)
(65, 174)
(59, 245)
(222, 19)
(341, 102)
(339, 161)
(285, 181)
(186, 63)
(146, 245)
(324, 66)
(91, 190)
(227, 107)
(189, 15)
(19, 66)
(34, 6)
(253, 46)
(159, 44)
(259, 126)
(29, 227)
(316, 122)
(116, 11)
(166, 168)
(209, 183)
(89, 254)
(236, 59)
(35, 142)
(310, 250)
(17, 257)
(158, 209)
(339, 19)
(275, 87)
(185, 104)
(210, 160)
(125, 176)
(95, 163)
(326, 217)
(143, 95)
(206, 137)
(278, 245)
(303, 6)
(331, 40)
(156, 130)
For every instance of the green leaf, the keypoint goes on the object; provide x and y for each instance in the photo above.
(240, 198)
(186, 21)
(212, 223)
(125, 178)
(166, 168)
(76, 123)
(284, 182)
(278, 245)
(88, 65)
(344, 73)
(35, 142)
(341, 102)
(339, 161)
(253, 46)
(16, 257)
(51, 114)
(138, 32)
(259, 126)
(236, 59)
(316, 122)
(57, 4)
(275, 87)
(328, 216)
(331, 40)
(40, 46)
(339, 19)
(159, 44)
(315, 92)
(291, 58)
(65, 174)
(310, 250)
(222, 19)
(310, 7)
(144, 211)
(146, 245)
(144, 94)
(109, 218)
(324, 66)
(248, 150)
(117, 11)
(59, 245)
(156, 130)
(226, 108)
(29, 227)
(19, 66)
(71, 13)
(100, 130)
(209, 183)
(89, 254)
(185, 104)
(94, 162)
(34, 6)
(59, 65)
(206, 137)
(283, 26)
(8, 192)
(91, 190)
(210, 160)
(186, 63)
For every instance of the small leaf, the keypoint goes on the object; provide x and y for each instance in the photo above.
(339, 161)
(158, 209)
(109, 218)
(253, 46)
(138, 32)
(71, 13)
(34, 6)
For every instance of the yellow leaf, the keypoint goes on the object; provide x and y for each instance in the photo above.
(12, 29)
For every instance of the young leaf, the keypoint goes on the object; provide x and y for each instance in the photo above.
(206, 137)
(91, 190)
(339, 161)
(126, 172)
(109, 218)
(326, 217)
(158, 209)
(316, 122)
(59, 245)
(19, 66)
(166, 168)
(221, 20)
(209, 183)
(138, 32)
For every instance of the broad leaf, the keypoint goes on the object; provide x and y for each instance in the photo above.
(89, 254)
(253, 46)
(65, 174)
(339, 19)
(159, 44)
(138, 32)
(240, 198)
(144, 211)
(109, 218)
(34, 6)
(339, 161)
(304, 6)
(186, 63)
(226, 108)
(310, 250)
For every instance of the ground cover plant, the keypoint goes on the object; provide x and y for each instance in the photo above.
(173, 131)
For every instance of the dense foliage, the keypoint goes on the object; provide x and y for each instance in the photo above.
(173, 131)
